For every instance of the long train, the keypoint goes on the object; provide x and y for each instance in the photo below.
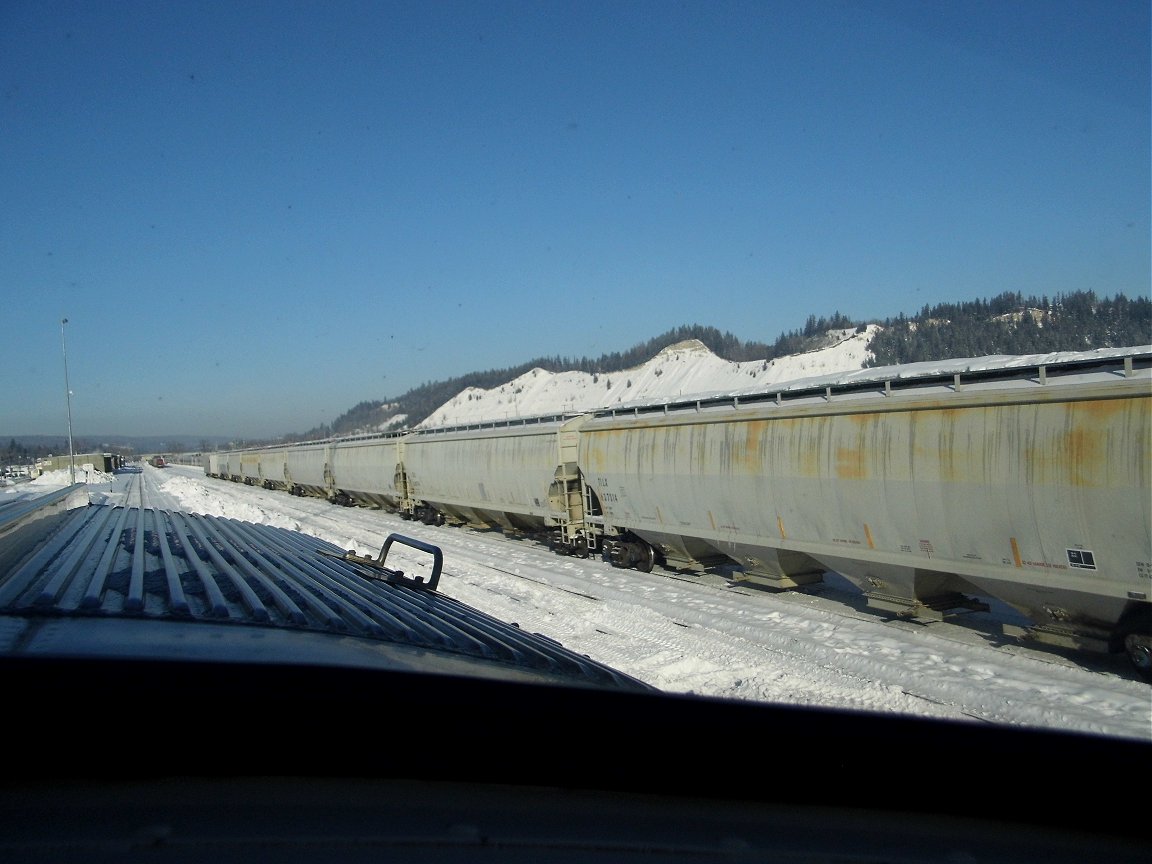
(932, 488)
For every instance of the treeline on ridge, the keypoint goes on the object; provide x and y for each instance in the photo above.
(1013, 324)
(1009, 323)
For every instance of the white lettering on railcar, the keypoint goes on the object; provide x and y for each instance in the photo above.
(1081, 559)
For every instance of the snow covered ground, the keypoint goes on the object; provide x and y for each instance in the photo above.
(696, 634)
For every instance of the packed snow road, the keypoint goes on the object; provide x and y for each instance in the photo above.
(703, 635)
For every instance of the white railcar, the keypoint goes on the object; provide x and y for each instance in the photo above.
(308, 470)
(1031, 487)
(364, 471)
(498, 475)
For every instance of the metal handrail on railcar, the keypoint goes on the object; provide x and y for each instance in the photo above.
(1124, 365)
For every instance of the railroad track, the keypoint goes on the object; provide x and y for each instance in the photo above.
(142, 489)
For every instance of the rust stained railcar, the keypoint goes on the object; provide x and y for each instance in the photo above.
(1032, 488)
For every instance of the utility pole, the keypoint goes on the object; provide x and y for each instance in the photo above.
(68, 397)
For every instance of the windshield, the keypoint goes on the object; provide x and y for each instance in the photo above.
(265, 254)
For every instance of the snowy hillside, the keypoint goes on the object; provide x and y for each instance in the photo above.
(687, 368)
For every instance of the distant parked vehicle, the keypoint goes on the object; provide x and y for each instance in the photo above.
(158, 462)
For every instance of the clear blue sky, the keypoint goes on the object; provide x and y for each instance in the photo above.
(257, 214)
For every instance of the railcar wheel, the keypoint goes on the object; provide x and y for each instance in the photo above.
(1138, 646)
(647, 560)
(580, 547)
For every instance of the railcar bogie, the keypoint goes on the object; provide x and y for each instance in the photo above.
(428, 515)
(1133, 637)
(1138, 647)
(631, 550)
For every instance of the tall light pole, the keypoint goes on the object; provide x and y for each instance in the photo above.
(68, 396)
